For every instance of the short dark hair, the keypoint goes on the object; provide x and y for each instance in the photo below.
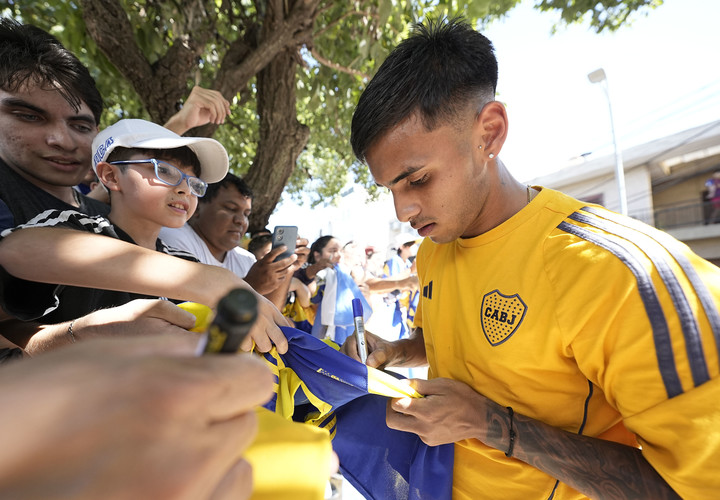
(183, 155)
(29, 54)
(441, 68)
(318, 246)
(229, 180)
(259, 241)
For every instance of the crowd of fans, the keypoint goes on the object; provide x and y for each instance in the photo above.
(135, 197)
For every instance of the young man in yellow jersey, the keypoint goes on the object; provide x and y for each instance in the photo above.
(572, 352)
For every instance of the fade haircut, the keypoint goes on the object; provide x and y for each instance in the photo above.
(229, 180)
(29, 55)
(441, 68)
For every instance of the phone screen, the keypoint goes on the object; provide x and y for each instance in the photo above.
(285, 235)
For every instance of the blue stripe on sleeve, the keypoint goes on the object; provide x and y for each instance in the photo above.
(655, 314)
(674, 248)
(657, 254)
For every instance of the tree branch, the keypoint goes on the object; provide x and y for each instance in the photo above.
(329, 25)
(338, 67)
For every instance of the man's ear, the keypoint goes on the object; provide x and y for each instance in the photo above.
(491, 128)
(108, 175)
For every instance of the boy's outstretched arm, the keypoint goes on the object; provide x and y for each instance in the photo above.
(89, 260)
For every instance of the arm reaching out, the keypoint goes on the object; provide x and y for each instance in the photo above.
(85, 259)
(202, 106)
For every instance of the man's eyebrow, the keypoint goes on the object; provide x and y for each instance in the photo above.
(89, 119)
(16, 102)
(408, 171)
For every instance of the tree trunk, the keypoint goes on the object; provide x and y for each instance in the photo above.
(282, 137)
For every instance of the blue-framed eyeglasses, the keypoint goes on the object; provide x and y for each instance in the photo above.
(171, 175)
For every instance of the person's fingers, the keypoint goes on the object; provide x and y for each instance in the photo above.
(377, 358)
(221, 387)
(278, 338)
(349, 348)
(260, 337)
(164, 309)
(398, 420)
(166, 345)
(237, 484)
(425, 387)
(283, 264)
(274, 252)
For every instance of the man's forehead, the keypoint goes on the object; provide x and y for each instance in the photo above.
(231, 192)
(46, 97)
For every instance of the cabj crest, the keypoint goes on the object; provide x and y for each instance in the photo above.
(501, 315)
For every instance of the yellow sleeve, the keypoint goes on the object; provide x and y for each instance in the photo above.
(681, 439)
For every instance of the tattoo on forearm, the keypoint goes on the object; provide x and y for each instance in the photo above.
(600, 469)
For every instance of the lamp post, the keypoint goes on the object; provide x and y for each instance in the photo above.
(598, 76)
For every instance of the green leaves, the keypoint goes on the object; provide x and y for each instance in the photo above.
(347, 43)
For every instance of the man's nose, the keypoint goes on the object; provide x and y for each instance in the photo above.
(59, 136)
(406, 207)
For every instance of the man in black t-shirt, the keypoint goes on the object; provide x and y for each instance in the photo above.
(49, 114)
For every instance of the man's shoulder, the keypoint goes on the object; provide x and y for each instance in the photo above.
(175, 252)
(92, 206)
(24, 200)
(70, 219)
(242, 255)
(180, 237)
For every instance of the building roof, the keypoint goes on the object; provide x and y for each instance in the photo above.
(663, 153)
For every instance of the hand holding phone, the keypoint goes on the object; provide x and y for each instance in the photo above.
(284, 235)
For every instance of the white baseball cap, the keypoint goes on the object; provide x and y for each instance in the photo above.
(143, 134)
(403, 238)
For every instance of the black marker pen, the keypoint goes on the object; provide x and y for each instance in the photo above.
(236, 314)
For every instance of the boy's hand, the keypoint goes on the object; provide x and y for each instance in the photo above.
(138, 317)
(202, 106)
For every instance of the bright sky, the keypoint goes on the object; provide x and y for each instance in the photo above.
(663, 73)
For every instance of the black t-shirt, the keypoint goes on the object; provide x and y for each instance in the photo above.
(28, 300)
(22, 200)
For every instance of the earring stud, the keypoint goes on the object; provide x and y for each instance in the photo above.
(491, 156)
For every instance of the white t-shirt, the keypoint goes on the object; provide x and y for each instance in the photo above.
(237, 260)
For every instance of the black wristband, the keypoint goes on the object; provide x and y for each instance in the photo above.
(511, 433)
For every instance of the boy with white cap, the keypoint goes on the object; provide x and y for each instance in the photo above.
(154, 177)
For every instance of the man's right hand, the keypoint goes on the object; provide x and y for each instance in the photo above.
(382, 353)
(266, 275)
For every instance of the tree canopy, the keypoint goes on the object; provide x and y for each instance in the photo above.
(292, 69)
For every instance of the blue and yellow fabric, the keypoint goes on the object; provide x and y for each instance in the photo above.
(301, 317)
(404, 305)
(348, 399)
(334, 318)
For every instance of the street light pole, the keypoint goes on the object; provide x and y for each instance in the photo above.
(598, 76)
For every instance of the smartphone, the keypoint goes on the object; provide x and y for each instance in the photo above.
(285, 235)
